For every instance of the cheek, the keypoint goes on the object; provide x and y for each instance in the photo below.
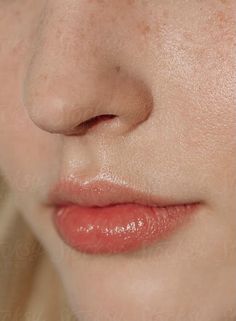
(211, 113)
(213, 135)
(22, 161)
(28, 151)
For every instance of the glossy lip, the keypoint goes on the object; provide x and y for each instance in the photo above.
(106, 218)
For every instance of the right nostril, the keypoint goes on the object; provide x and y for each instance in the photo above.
(97, 119)
(82, 128)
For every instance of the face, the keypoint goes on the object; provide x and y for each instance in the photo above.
(166, 70)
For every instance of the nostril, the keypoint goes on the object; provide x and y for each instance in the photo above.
(97, 119)
(82, 128)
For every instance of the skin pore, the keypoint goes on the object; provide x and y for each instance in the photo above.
(166, 69)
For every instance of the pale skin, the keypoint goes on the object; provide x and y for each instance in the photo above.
(167, 70)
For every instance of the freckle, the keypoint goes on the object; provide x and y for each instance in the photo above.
(144, 28)
(17, 13)
(224, 1)
(98, 1)
(221, 17)
(117, 68)
(130, 2)
(187, 36)
(92, 19)
(45, 77)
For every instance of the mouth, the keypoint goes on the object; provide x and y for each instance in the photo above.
(107, 218)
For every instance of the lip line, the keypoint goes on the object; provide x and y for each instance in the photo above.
(67, 204)
(105, 194)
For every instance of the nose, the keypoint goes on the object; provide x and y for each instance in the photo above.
(73, 85)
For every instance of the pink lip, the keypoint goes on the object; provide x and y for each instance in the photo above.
(103, 217)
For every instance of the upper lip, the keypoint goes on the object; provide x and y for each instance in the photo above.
(103, 193)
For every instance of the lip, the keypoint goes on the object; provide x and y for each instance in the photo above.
(101, 194)
(102, 217)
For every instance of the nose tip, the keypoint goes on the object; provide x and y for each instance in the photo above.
(110, 104)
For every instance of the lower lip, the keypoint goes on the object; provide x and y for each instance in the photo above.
(118, 228)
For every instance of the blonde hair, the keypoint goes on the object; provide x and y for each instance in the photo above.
(30, 289)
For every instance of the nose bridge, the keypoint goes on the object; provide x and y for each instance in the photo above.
(61, 51)
(65, 31)
(70, 77)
